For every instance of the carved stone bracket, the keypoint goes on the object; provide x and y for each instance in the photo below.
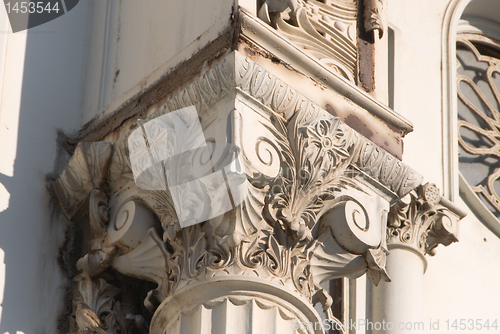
(422, 220)
(372, 14)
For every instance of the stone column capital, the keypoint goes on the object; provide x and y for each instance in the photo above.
(316, 199)
(422, 220)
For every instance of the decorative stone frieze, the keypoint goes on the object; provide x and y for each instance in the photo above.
(318, 199)
(422, 220)
(325, 29)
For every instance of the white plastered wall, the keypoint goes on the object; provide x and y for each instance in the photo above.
(132, 44)
(461, 281)
(41, 77)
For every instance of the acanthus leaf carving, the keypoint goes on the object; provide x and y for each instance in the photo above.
(95, 307)
(314, 157)
(376, 260)
(86, 170)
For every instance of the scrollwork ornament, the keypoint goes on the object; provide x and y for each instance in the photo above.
(326, 29)
(300, 164)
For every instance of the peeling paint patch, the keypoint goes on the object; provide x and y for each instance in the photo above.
(366, 49)
(330, 109)
(355, 123)
(116, 75)
(249, 52)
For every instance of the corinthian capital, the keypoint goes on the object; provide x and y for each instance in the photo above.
(422, 220)
(316, 196)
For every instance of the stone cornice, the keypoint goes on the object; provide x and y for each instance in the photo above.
(245, 28)
(270, 40)
(238, 71)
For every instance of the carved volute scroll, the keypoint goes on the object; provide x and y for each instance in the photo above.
(318, 196)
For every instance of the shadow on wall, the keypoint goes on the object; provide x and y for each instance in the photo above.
(51, 60)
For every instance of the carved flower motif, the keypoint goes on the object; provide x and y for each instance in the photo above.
(328, 142)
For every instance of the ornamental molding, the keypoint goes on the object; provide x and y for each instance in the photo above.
(423, 220)
(251, 79)
(256, 296)
(256, 33)
(324, 29)
(318, 198)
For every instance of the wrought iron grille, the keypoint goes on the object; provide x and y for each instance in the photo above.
(478, 74)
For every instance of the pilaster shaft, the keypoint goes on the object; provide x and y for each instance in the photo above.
(417, 224)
